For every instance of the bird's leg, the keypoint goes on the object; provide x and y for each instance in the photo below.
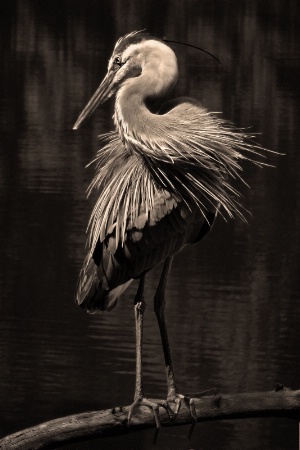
(159, 308)
(139, 308)
(139, 399)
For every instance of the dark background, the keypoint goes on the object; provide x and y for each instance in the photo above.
(233, 301)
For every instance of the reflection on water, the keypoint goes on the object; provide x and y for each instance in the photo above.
(233, 309)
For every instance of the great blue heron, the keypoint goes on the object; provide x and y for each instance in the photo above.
(162, 178)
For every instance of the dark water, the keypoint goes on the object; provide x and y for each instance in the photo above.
(233, 301)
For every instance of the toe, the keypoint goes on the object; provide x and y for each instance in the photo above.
(141, 401)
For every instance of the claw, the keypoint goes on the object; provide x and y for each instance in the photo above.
(169, 410)
(141, 401)
(178, 400)
(178, 405)
(194, 417)
(191, 405)
(206, 393)
(190, 402)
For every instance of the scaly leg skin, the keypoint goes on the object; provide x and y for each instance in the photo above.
(173, 394)
(139, 399)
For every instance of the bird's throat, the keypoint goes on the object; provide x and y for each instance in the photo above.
(132, 117)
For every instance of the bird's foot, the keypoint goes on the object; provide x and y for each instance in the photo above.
(142, 401)
(177, 399)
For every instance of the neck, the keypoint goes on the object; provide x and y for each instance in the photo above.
(158, 77)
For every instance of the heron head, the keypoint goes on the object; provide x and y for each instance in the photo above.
(132, 54)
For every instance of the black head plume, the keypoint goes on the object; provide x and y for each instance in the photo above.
(193, 46)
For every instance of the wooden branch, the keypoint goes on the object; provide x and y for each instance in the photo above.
(281, 402)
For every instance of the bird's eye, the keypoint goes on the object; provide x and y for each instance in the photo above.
(118, 61)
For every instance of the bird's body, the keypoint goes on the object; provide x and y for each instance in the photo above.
(162, 177)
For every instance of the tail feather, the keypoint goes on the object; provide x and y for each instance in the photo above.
(87, 280)
(93, 292)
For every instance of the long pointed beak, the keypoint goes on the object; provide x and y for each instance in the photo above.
(103, 93)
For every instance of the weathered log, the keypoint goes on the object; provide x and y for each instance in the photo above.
(281, 402)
